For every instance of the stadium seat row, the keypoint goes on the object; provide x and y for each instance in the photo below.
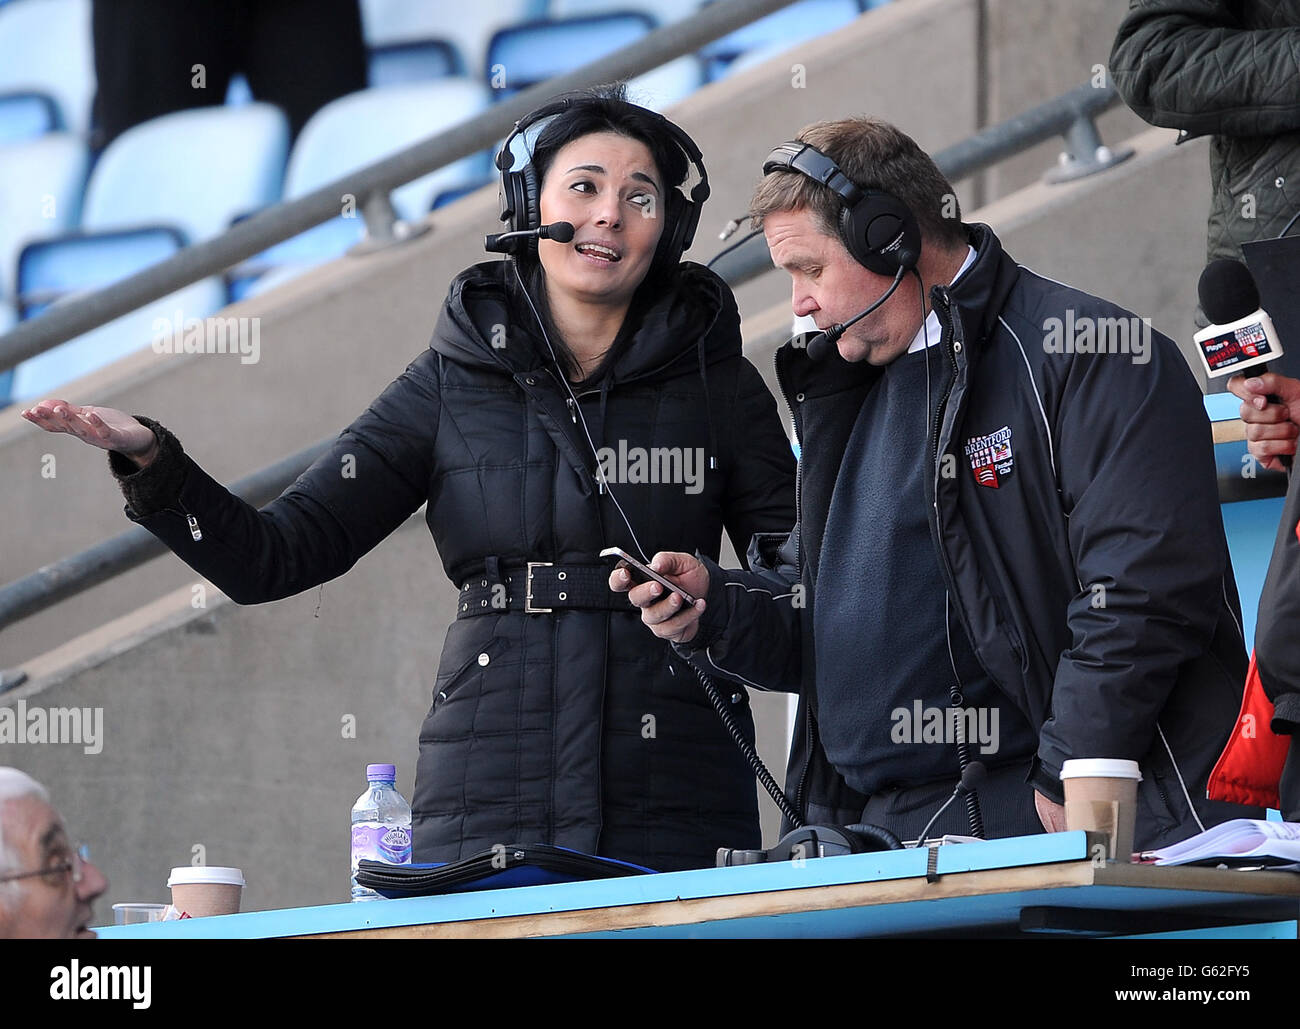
(47, 80)
(70, 222)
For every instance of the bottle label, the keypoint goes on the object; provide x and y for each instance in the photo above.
(377, 842)
(395, 845)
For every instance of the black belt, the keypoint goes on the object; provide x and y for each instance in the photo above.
(539, 587)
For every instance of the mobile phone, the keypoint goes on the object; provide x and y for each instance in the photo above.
(640, 573)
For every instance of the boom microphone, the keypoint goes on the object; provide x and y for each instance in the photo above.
(561, 232)
(821, 344)
(1241, 334)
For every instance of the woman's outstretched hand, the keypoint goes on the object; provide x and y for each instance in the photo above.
(102, 427)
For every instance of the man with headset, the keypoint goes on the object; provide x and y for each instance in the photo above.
(1009, 548)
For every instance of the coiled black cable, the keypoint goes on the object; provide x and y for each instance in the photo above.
(746, 748)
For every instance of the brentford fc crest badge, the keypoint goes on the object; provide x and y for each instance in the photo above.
(990, 457)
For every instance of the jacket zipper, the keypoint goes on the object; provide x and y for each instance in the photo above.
(941, 300)
(196, 533)
(571, 402)
(946, 336)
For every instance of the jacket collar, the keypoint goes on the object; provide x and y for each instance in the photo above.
(695, 311)
(979, 295)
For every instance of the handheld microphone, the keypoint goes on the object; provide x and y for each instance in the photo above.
(1241, 334)
(561, 232)
(970, 779)
(822, 343)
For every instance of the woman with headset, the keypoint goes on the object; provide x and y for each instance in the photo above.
(576, 396)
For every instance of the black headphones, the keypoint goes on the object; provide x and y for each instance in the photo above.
(521, 207)
(877, 228)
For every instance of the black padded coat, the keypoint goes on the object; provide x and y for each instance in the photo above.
(577, 728)
(1226, 69)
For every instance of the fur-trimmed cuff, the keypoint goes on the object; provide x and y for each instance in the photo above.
(149, 490)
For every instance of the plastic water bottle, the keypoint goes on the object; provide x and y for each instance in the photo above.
(381, 826)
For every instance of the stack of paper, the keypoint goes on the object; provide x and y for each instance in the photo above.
(1239, 841)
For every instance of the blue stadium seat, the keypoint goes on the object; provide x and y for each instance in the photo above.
(317, 245)
(50, 372)
(524, 55)
(400, 63)
(466, 26)
(790, 25)
(662, 87)
(357, 130)
(52, 270)
(365, 127)
(45, 47)
(41, 195)
(663, 11)
(239, 92)
(194, 169)
(26, 116)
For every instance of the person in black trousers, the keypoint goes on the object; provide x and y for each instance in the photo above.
(153, 57)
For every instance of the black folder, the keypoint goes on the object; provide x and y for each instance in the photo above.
(533, 864)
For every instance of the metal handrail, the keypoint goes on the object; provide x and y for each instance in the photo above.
(105, 560)
(1061, 116)
(79, 314)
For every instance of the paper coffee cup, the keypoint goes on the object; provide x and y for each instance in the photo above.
(1101, 796)
(202, 890)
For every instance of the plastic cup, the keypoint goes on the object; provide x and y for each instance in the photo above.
(202, 890)
(1101, 796)
(137, 914)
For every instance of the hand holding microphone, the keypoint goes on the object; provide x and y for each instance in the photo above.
(1241, 336)
(1271, 410)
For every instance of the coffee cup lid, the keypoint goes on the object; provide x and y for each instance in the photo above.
(1100, 768)
(193, 875)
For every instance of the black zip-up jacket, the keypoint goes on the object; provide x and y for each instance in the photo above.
(1093, 582)
(576, 728)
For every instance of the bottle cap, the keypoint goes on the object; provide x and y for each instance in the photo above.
(381, 773)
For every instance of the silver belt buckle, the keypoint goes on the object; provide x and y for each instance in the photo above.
(528, 593)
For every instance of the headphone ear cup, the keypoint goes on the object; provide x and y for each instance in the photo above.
(529, 213)
(881, 232)
(518, 204)
(681, 217)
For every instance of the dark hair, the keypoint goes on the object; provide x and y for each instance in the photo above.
(603, 109)
(875, 155)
